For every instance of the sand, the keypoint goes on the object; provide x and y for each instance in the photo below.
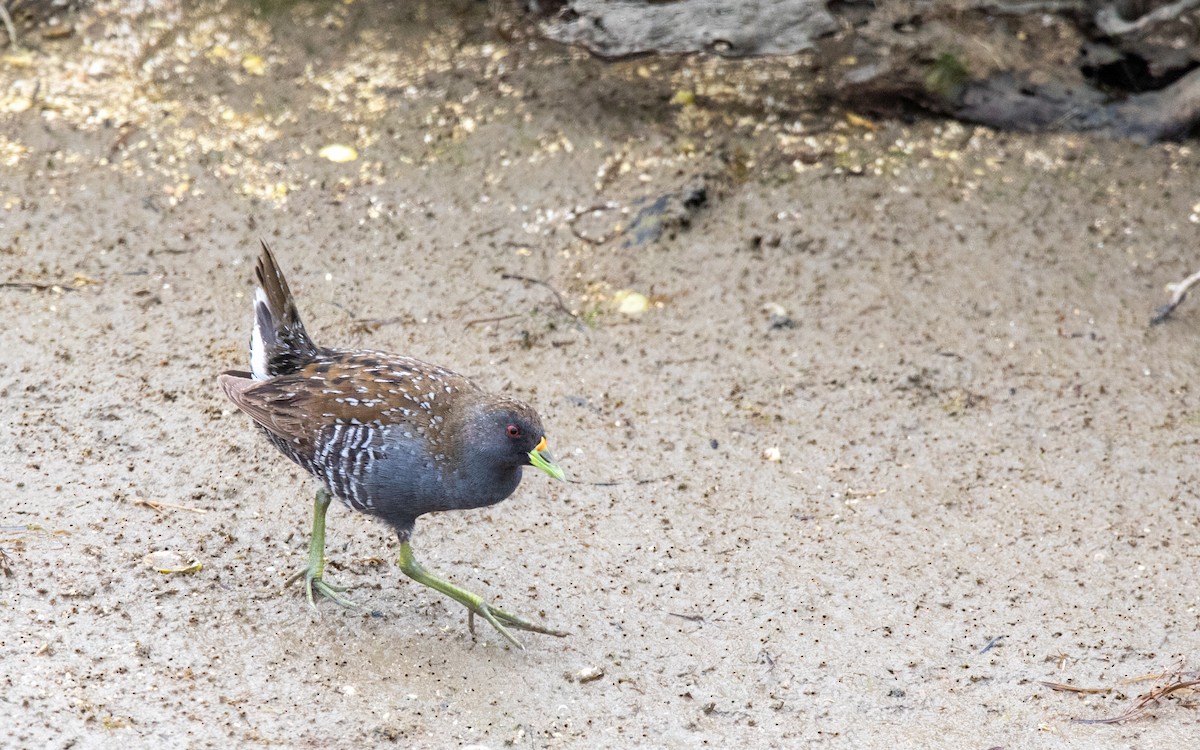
(891, 446)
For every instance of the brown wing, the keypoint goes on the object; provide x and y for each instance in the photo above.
(279, 411)
(350, 388)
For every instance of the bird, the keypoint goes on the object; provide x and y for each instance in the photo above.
(388, 435)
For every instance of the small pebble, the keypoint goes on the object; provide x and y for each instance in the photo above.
(338, 153)
(169, 561)
(588, 674)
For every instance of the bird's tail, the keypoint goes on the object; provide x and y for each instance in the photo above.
(278, 344)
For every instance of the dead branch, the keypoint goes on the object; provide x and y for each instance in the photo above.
(1179, 292)
(558, 300)
(8, 25)
(1145, 702)
(1108, 18)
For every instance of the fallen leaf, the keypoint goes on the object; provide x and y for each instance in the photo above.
(684, 98)
(859, 121)
(630, 302)
(254, 65)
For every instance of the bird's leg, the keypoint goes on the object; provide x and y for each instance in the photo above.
(313, 573)
(473, 602)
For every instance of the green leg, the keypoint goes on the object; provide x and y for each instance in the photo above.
(313, 573)
(473, 602)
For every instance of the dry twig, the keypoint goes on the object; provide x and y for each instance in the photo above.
(991, 644)
(30, 286)
(1179, 291)
(1109, 20)
(497, 319)
(1178, 681)
(8, 25)
(616, 482)
(157, 507)
(579, 214)
(1005, 8)
(558, 300)
(1145, 702)
(1062, 687)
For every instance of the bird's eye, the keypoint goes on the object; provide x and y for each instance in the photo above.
(514, 431)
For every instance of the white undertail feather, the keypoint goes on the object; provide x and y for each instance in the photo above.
(258, 348)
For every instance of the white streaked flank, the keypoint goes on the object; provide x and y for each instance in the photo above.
(258, 350)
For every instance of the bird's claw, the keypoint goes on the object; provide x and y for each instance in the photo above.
(499, 619)
(474, 603)
(315, 582)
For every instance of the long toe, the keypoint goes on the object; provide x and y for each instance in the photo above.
(486, 612)
(474, 603)
(499, 619)
(329, 591)
(522, 624)
(316, 586)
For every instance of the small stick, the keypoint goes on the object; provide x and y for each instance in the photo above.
(1065, 688)
(157, 506)
(584, 212)
(127, 129)
(1024, 9)
(1179, 292)
(991, 644)
(8, 24)
(557, 297)
(615, 482)
(497, 319)
(766, 656)
(1108, 19)
(1152, 676)
(378, 322)
(37, 287)
(1144, 703)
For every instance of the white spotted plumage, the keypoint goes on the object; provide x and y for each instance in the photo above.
(349, 417)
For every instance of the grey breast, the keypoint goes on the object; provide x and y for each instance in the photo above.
(410, 479)
(406, 478)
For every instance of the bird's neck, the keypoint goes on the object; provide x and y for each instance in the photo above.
(474, 490)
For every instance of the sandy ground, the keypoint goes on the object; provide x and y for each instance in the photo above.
(986, 472)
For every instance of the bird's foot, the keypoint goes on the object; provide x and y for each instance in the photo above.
(314, 573)
(502, 620)
(314, 581)
(496, 617)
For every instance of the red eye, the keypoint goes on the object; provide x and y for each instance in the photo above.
(514, 431)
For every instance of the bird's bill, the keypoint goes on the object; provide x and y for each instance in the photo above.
(540, 458)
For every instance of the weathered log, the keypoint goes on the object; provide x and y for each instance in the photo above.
(732, 28)
(1131, 78)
